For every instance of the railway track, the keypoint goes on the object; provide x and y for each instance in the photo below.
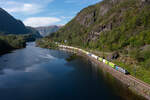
(139, 81)
(139, 86)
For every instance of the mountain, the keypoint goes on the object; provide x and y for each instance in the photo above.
(13, 33)
(10, 25)
(121, 26)
(33, 32)
(47, 30)
(117, 24)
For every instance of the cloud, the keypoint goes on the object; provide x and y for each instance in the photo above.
(41, 21)
(24, 7)
(81, 2)
(66, 17)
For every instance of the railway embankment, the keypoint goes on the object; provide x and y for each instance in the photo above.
(135, 85)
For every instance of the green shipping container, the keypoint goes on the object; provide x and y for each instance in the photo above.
(106, 62)
(100, 59)
(111, 64)
(83, 51)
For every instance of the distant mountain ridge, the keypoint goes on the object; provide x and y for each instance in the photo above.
(10, 25)
(47, 30)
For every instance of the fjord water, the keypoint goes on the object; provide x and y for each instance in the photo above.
(35, 73)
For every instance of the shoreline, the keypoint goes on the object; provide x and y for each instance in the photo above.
(135, 85)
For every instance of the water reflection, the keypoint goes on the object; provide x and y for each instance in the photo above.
(40, 74)
(28, 57)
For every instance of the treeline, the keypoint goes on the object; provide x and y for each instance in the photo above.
(46, 43)
(11, 42)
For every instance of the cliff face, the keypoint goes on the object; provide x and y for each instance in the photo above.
(120, 22)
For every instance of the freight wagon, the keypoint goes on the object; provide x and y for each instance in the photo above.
(112, 65)
(94, 56)
(106, 62)
(99, 59)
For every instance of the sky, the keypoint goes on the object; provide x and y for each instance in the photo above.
(37, 13)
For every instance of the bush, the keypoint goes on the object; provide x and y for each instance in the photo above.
(146, 64)
(10, 42)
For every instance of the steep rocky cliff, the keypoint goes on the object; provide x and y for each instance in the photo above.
(113, 23)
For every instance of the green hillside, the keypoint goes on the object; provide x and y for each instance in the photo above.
(114, 24)
(121, 26)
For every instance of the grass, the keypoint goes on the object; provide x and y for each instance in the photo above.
(136, 71)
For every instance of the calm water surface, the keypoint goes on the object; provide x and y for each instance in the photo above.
(40, 74)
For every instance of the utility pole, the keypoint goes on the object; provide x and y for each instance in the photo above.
(134, 66)
(135, 70)
(103, 50)
(103, 44)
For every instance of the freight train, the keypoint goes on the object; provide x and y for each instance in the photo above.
(110, 64)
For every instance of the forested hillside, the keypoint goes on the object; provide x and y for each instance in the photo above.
(114, 23)
(10, 42)
(121, 26)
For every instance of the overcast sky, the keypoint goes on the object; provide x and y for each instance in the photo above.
(45, 12)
